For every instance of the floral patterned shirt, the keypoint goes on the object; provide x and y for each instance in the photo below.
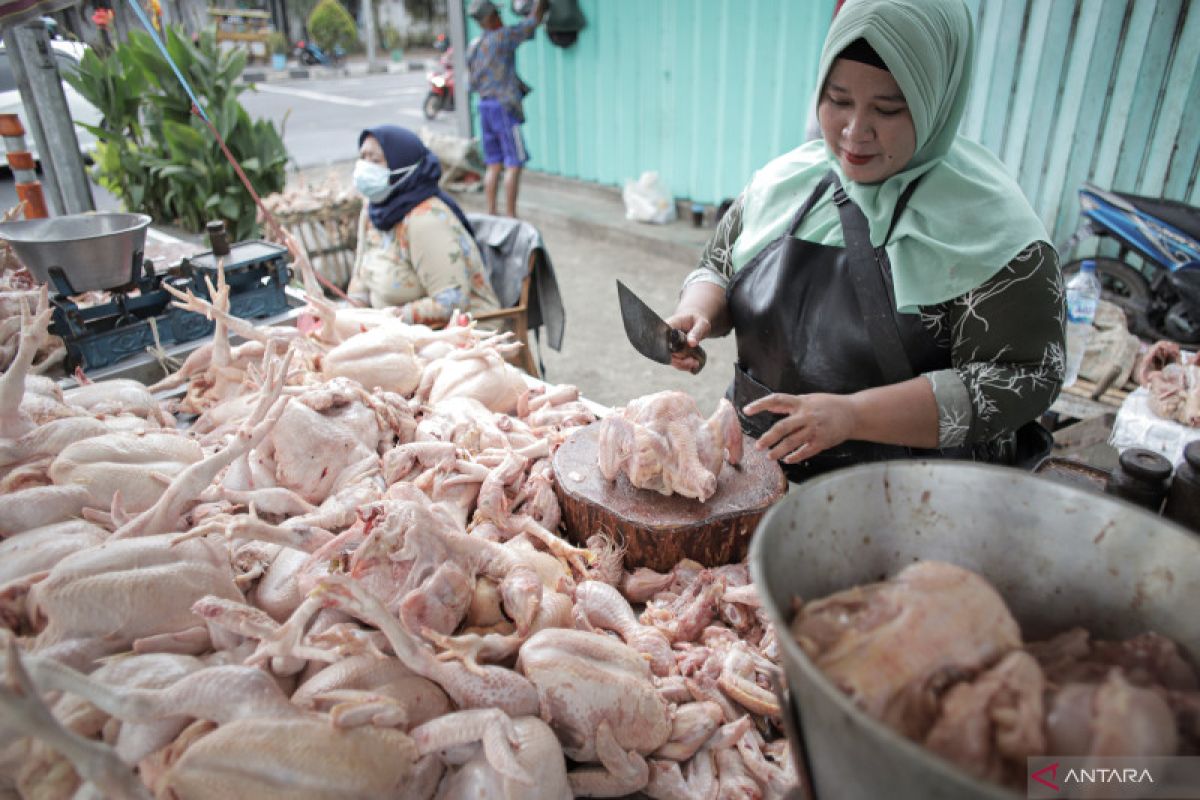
(429, 264)
(1006, 339)
(492, 64)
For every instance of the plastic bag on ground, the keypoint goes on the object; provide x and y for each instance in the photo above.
(648, 200)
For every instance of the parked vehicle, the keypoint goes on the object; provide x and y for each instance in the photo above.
(67, 56)
(308, 53)
(1161, 296)
(441, 86)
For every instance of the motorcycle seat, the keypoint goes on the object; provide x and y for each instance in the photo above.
(1180, 216)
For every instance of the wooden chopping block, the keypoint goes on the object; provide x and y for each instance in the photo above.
(659, 531)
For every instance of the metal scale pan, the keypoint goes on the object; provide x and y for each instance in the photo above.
(81, 252)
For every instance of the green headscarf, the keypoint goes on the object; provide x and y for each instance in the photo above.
(967, 218)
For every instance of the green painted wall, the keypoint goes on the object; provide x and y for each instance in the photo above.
(703, 91)
(706, 91)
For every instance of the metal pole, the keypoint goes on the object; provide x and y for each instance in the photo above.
(49, 118)
(369, 11)
(50, 186)
(462, 88)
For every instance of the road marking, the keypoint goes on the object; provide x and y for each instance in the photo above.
(321, 96)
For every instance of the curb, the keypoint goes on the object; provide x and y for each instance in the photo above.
(254, 75)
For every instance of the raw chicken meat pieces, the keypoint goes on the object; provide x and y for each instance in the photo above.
(346, 579)
(660, 442)
(934, 653)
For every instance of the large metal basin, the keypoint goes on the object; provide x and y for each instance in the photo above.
(1059, 556)
(94, 251)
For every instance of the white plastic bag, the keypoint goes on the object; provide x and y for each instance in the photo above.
(1137, 426)
(647, 200)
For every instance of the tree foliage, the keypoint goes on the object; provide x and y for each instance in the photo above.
(156, 155)
(330, 25)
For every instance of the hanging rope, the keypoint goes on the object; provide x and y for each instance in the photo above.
(198, 110)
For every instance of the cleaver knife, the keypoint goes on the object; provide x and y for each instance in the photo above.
(650, 335)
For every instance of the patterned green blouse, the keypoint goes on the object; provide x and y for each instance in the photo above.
(1006, 339)
(428, 264)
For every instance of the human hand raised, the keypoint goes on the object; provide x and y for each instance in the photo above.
(811, 423)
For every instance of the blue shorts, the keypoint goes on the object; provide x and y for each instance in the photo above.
(502, 142)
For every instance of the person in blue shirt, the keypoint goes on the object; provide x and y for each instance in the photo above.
(491, 64)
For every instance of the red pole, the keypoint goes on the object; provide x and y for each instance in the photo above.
(24, 169)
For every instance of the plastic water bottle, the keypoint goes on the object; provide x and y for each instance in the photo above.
(1083, 295)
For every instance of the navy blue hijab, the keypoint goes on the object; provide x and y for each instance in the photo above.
(402, 148)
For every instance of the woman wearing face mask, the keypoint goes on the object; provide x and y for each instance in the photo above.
(416, 249)
(892, 292)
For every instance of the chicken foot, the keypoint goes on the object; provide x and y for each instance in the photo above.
(95, 762)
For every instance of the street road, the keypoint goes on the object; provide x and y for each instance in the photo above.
(325, 116)
(320, 118)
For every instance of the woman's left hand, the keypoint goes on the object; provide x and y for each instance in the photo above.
(811, 423)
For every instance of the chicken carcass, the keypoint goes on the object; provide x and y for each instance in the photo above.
(112, 397)
(895, 646)
(298, 758)
(382, 357)
(599, 697)
(139, 467)
(662, 443)
(132, 592)
(478, 372)
(991, 725)
(1112, 718)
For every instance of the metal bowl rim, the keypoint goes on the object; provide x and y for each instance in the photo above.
(944, 768)
(138, 221)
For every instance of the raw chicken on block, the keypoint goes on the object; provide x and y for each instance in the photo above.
(662, 443)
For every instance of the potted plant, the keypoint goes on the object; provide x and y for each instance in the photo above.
(278, 44)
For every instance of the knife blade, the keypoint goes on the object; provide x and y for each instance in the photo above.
(650, 335)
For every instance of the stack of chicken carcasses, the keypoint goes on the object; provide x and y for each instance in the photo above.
(343, 577)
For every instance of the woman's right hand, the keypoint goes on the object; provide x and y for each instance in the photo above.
(697, 327)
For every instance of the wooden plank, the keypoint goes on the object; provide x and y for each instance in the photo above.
(241, 36)
(1001, 76)
(1185, 156)
(239, 12)
(1180, 71)
(1148, 99)
(1133, 45)
(1020, 115)
(1046, 104)
(987, 39)
(1066, 130)
(1095, 57)
(1074, 407)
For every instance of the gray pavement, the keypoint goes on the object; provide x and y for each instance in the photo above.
(320, 117)
(592, 245)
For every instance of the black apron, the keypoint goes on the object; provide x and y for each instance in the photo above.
(804, 326)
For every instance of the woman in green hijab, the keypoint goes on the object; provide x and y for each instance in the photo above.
(892, 292)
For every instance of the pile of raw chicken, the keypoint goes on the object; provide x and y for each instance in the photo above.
(18, 295)
(960, 680)
(1173, 380)
(342, 578)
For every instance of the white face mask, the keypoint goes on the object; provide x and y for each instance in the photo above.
(373, 179)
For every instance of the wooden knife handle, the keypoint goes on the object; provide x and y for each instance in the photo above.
(677, 342)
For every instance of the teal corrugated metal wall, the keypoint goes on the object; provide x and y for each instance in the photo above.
(1100, 90)
(706, 91)
(703, 91)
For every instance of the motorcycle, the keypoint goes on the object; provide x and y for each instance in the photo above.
(308, 53)
(441, 87)
(1161, 296)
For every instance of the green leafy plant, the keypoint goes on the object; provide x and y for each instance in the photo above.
(330, 25)
(278, 43)
(160, 158)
